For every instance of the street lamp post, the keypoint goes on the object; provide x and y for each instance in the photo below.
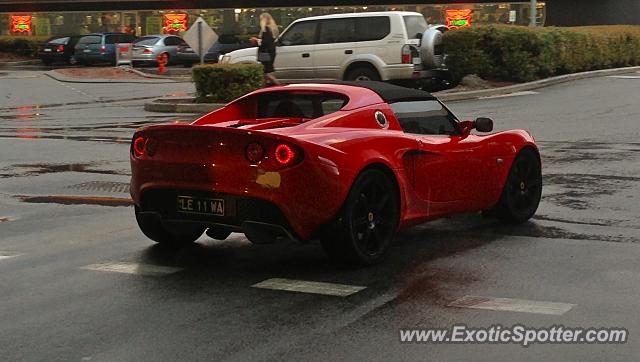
(533, 12)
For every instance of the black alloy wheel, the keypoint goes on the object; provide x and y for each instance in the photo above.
(522, 190)
(365, 230)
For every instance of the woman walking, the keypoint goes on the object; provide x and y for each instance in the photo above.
(267, 47)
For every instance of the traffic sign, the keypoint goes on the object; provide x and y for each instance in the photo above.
(200, 37)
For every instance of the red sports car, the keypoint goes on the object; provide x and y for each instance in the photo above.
(346, 163)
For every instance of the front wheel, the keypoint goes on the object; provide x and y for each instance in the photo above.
(363, 232)
(522, 190)
(154, 230)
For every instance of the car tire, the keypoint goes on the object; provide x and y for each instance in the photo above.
(363, 74)
(154, 230)
(522, 190)
(47, 62)
(366, 226)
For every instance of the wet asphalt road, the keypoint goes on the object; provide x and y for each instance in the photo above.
(581, 248)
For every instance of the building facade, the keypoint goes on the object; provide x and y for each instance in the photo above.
(47, 18)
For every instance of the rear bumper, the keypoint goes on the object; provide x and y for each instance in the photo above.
(407, 72)
(299, 200)
(261, 220)
(95, 57)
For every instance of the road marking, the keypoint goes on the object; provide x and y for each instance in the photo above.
(303, 286)
(133, 268)
(515, 94)
(625, 76)
(512, 305)
(7, 255)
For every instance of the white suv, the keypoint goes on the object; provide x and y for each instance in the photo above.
(391, 46)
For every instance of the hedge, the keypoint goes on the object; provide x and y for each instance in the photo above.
(22, 45)
(226, 82)
(521, 54)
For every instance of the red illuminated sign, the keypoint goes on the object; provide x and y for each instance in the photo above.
(21, 23)
(459, 18)
(174, 23)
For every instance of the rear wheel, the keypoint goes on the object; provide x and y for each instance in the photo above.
(47, 61)
(522, 190)
(363, 232)
(363, 74)
(154, 230)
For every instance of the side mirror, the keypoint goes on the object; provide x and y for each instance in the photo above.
(483, 124)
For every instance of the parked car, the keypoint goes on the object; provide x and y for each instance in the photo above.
(349, 163)
(59, 48)
(390, 46)
(226, 43)
(100, 47)
(147, 48)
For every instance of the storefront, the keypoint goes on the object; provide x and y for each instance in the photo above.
(244, 21)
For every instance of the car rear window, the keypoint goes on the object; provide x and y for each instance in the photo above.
(147, 40)
(337, 31)
(64, 40)
(425, 117)
(92, 39)
(415, 24)
(372, 28)
(299, 104)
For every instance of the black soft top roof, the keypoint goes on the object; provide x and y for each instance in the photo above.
(390, 93)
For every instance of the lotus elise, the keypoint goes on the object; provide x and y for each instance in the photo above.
(349, 164)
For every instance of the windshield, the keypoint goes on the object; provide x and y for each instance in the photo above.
(93, 39)
(147, 40)
(415, 24)
(64, 40)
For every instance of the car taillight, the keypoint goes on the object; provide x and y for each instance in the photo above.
(60, 48)
(103, 49)
(406, 54)
(147, 51)
(254, 152)
(285, 154)
(139, 144)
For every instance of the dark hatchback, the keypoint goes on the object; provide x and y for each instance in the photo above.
(59, 49)
(226, 43)
(100, 47)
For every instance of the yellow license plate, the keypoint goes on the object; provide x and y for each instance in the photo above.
(198, 205)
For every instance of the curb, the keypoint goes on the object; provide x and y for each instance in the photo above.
(182, 79)
(63, 78)
(18, 63)
(460, 96)
(167, 107)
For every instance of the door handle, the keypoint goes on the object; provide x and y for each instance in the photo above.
(305, 55)
(348, 51)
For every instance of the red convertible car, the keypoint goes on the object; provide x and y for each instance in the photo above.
(346, 163)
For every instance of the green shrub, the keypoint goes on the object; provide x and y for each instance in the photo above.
(515, 53)
(226, 82)
(22, 45)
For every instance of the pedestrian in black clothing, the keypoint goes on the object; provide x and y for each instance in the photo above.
(267, 47)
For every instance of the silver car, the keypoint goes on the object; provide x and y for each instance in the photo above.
(147, 48)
